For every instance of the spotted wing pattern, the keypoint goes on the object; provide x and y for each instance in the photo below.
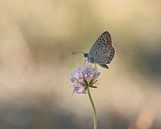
(102, 51)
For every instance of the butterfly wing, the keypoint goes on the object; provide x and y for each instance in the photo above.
(102, 51)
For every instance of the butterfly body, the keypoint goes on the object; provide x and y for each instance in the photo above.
(102, 51)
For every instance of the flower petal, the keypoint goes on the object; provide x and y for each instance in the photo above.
(82, 77)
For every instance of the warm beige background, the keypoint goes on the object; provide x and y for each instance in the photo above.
(37, 38)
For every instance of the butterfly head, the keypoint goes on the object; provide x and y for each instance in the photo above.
(89, 58)
(85, 55)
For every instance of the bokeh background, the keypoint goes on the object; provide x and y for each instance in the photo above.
(37, 38)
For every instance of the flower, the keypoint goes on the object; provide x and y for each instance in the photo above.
(82, 78)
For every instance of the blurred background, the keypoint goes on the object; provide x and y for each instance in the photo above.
(37, 38)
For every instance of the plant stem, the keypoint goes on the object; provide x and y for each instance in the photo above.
(94, 109)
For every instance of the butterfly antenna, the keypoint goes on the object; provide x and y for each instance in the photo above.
(78, 52)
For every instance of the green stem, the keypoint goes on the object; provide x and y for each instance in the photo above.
(94, 109)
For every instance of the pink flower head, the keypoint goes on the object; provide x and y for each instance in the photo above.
(82, 78)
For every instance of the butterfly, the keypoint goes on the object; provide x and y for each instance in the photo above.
(102, 51)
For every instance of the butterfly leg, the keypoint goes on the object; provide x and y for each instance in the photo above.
(85, 63)
(104, 66)
(90, 64)
(95, 66)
